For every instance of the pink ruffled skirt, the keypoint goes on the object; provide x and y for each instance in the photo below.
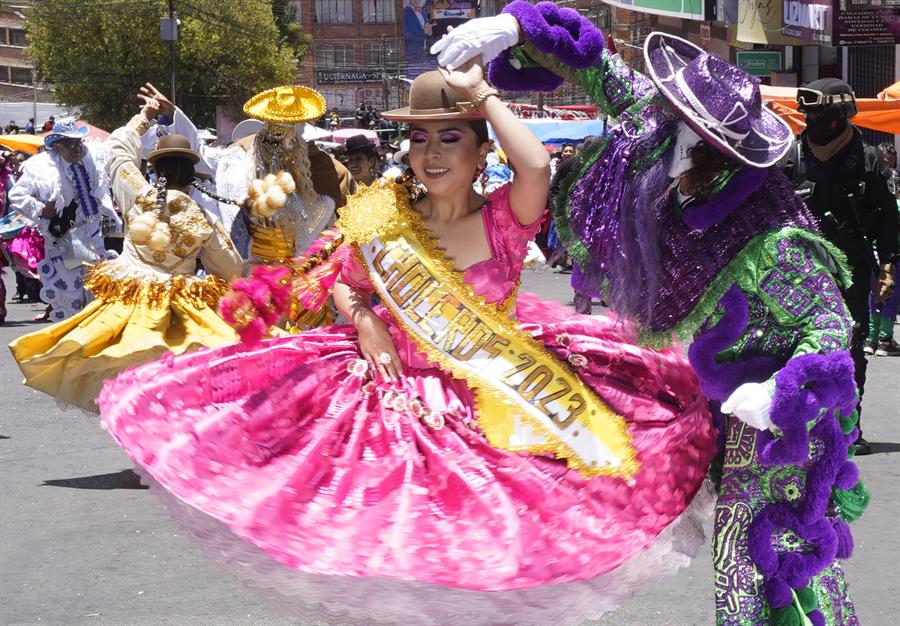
(328, 486)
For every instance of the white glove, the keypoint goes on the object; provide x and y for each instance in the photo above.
(485, 36)
(751, 403)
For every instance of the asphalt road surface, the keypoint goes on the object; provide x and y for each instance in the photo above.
(82, 543)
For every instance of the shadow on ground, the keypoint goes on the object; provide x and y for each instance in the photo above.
(884, 447)
(126, 479)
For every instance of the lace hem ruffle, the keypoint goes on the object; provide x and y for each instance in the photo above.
(344, 600)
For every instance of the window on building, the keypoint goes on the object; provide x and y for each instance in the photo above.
(378, 11)
(601, 17)
(17, 37)
(20, 75)
(334, 57)
(372, 56)
(378, 55)
(334, 11)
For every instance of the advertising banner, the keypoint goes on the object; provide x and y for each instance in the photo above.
(426, 21)
(872, 22)
(451, 13)
(417, 37)
(809, 20)
(761, 21)
(685, 9)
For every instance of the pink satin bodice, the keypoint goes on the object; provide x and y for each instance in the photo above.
(494, 278)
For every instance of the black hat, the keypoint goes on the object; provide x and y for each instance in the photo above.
(827, 94)
(359, 143)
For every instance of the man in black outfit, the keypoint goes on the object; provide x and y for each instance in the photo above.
(842, 181)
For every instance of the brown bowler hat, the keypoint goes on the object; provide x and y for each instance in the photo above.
(431, 98)
(173, 146)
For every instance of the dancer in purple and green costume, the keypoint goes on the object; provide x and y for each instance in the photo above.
(681, 221)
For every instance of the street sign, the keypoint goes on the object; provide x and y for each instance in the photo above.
(759, 62)
(349, 76)
(684, 9)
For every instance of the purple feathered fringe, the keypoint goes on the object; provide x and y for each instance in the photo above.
(719, 380)
(561, 32)
(615, 213)
(810, 388)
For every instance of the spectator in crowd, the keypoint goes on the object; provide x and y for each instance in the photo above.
(48, 125)
(12, 128)
(841, 179)
(362, 159)
(66, 191)
(25, 249)
(29, 127)
(398, 163)
(362, 116)
(882, 314)
(334, 119)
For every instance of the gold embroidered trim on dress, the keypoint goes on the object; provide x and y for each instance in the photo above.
(131, 290)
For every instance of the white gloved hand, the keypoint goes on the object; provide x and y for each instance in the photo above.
(485, 36)
(751, 403)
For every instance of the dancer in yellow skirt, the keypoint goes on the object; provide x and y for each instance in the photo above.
(149, 300)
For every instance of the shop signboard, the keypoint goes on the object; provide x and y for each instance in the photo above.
(337, 77)
(808, 20)
(684, 9)
(759, 62)
(866, 22)
(445, 13)
(760, 21)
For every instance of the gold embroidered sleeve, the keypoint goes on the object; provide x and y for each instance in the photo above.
(219, 255)
(124, 163)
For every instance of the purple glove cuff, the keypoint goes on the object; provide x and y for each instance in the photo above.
(560, 32)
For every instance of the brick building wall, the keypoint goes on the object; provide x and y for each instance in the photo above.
(356, 45)
(16, 70)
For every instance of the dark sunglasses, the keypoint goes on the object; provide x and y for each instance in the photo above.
(70, 144)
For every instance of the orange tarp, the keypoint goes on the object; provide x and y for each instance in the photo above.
(891, 93)
(874, 113)
(32, 143)
(26, 143)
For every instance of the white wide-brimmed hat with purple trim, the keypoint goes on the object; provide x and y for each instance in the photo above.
(65, 129)
(721, 102)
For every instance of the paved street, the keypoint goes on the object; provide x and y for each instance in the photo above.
(82, 543)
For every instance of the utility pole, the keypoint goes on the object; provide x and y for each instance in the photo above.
(34, 88)
(384, 74)
(174, 23)
(168, 31)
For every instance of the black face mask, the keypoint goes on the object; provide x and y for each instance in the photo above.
(823, 129)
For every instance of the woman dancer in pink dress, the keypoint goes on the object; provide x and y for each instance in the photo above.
(455, 455)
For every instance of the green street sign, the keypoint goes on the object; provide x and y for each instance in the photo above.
(759, 62)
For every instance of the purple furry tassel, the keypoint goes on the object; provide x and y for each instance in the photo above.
(553, 30)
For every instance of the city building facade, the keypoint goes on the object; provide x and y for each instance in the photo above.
(355, 53)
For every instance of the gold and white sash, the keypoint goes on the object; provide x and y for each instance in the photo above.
(526, 398)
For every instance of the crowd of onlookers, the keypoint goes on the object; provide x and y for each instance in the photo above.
(15, 253)
(29, 129)
(365, 116)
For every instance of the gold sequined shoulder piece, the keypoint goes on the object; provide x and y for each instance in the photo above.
(371, 212)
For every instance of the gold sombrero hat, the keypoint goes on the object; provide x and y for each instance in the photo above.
(432, 98)
(289, 104)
